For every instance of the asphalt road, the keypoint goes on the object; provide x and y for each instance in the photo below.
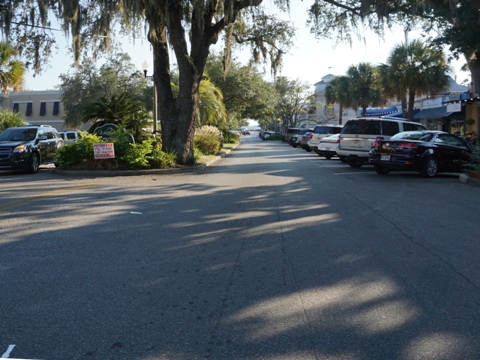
(270, 253)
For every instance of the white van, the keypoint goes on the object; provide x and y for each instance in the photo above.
(70, 136)
(358, 134)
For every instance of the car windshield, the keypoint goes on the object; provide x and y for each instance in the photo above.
(413, 135)
(18, 135)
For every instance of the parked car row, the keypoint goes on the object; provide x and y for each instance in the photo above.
(392, 144)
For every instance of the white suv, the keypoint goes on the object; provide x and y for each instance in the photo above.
(319, 132)
(358, 134)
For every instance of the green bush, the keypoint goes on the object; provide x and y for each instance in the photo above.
(136, 155)
(78, 152)
(230, 137)
(474, 164)
(122, 141)
(159, 159)
(276, 137)
(197, 154)
(207, 143)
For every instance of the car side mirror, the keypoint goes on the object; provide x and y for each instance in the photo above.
(40, 138)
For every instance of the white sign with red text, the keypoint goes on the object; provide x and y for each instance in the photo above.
(103, 151)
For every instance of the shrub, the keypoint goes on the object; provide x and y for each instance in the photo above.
(197, 154)
(137, 154)
(208, 144)
(276, 137)
(79, 151)
(474, 164)
(230, 137)
(160, 160)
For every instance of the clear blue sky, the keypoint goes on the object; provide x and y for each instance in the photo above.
(309, 60)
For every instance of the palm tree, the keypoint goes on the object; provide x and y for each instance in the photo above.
(212, 106)
(365, 86)
(9, 118)
(414, 69)
(12, 71)
(338, 91)
(126, 109)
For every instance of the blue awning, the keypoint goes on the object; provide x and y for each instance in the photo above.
(432, 113)
(387, 111)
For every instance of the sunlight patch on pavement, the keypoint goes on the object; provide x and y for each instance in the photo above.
(438, 346)
(358, 305)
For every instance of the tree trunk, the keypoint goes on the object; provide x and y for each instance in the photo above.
(404, 107)
(411, 103)
(179, 116)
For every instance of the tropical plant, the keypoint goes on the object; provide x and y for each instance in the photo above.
(126, 109)
(338, 91)
(364, 85)
(212, 107)
(9, 118)
(88, 83)
(11, 69)
(412, 69)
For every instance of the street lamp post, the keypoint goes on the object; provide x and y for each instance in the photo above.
(145, 70)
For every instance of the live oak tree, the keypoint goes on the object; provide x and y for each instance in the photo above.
(185, 28)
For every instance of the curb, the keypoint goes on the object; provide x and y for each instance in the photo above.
(464, 178)
(111, 173)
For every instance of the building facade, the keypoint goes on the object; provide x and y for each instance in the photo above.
(38, 107)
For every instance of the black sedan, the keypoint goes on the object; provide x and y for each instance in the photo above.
(427, 152)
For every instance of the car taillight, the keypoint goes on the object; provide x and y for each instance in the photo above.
(375, 144)
(311, 135)
(407, 145)
(338, 141)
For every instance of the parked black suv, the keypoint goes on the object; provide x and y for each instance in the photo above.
(28, 147)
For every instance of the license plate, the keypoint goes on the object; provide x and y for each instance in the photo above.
(385, 157)
(322, 148)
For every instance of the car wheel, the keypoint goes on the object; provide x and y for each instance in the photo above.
(328, 157)
(343, 159)
(355, 163)
(308, 149)
(380, 170)
(34, 163)
(429, 168)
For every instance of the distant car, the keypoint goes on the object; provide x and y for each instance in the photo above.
(320, 131)
(291, 132)
(246, 132)
(304, 141)
(427, 152)
(28, 147)
(70, 135)
(297, 137)
(328, 147)
(264, 134)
